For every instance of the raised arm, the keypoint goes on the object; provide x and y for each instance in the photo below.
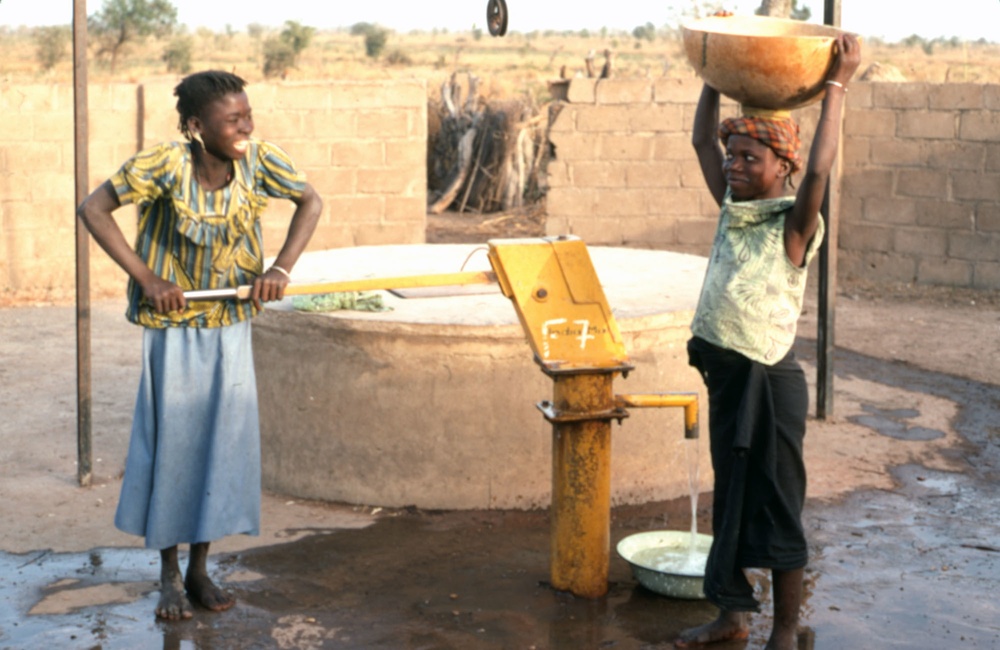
(705, 140)
(802, 223)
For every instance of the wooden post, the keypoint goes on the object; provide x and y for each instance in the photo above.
(84, 465)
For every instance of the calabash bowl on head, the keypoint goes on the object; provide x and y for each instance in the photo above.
(774, 64)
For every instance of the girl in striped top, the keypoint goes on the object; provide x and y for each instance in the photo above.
(192, 474)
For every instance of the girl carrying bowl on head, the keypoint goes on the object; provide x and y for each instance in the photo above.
(742, 335)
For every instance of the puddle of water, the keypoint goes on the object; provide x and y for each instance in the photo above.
(892, 423)
(914, 568)
(65, 601)
(101, 599)
(890, 571)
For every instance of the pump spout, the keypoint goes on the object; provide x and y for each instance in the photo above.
(689, 401)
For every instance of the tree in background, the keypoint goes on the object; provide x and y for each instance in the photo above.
(121, 22)
(645, 32)
(256, 31)
(919, 41)
(282, 53)
(375, 37)
(50, 45)
(297, 36)
(177, 55)
(375, 42)
(278, 58)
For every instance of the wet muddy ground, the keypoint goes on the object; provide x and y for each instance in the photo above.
(909, 568)
(911, 563)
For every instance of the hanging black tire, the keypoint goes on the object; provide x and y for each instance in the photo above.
(496, 17)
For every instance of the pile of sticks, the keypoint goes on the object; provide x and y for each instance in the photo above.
(484, 156)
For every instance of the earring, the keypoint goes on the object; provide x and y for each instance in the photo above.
(196, 136)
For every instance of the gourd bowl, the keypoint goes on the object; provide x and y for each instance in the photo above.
(766, 63)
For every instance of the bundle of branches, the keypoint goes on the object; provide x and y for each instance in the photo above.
(484, 155)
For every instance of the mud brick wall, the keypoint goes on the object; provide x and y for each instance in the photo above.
(624, 172)
(362, 145)
(920, 199)
(920, 192)
(921, 189)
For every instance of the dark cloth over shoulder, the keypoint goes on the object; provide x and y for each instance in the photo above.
(757, 417)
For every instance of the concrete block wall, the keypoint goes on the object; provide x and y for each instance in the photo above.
(623, 172)
(920, 182)
(362, 145)
(921, 185)
(37, 190)
(920, 192)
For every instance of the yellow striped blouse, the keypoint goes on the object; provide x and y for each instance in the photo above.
(198, 239)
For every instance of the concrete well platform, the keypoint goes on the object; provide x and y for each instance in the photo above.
(433, 403)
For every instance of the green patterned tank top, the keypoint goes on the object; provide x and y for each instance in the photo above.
(752, 295)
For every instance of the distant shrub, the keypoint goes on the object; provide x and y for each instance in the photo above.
(297, 36)
(645, 32)
(398, 57)
(278, 58)
(282, 52)
(919, 41)
(177, 54)
(361, 29)
(50, 45)
(375, 41)
(375, 37)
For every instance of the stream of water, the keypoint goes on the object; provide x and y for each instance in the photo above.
(680, 559)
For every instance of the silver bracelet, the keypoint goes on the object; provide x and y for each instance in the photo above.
(282, 271)
(831, 82)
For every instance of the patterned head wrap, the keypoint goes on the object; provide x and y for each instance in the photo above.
(780, 134)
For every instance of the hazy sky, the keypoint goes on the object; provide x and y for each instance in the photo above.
(889, 19)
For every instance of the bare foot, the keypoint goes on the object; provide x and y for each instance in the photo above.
(782, 641)
(173, 605)
(730, 626)
(203, 591)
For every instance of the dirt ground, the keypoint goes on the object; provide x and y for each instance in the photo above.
(902, 514)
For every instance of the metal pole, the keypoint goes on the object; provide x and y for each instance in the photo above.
(828, 268)
(83, 365)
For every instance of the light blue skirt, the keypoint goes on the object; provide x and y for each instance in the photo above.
(193, 468)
